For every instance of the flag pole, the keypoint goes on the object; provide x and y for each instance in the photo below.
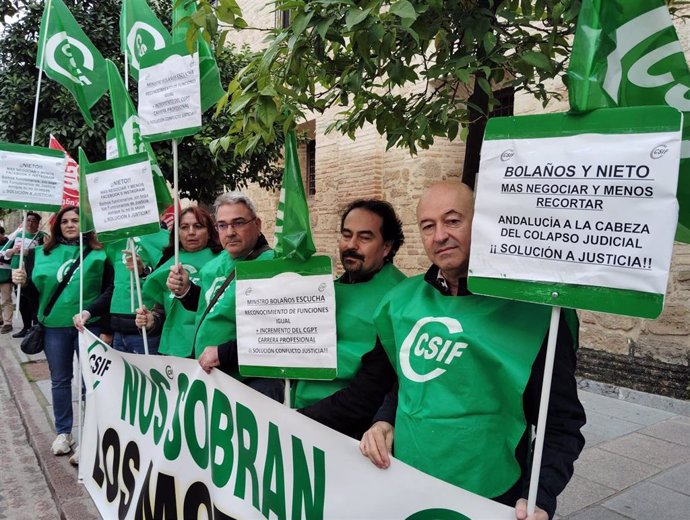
(176, 203)
(543, 409)
(138, 284)
(21, 264)
(80, 430)
(49, 5)
(131, 274)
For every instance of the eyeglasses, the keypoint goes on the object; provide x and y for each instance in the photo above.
(237, 224)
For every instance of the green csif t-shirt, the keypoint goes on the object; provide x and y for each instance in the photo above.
(150, 249)
(355, 306)
(219, 324)
(48, 273)
(180, 324)
(463, 364)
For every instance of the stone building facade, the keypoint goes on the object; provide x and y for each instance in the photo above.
(652, 356)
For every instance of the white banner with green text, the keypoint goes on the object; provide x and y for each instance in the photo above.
(163, 439)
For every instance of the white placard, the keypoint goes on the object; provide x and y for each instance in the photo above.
(590, 209)
(122, 197)
(287, 321)
(32, 178)
(170, 95)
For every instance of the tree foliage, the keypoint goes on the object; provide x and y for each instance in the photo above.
(202, 174)
(416, 69)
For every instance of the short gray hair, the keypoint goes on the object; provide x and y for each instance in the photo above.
(234, 197)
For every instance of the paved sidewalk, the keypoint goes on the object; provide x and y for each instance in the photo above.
(635, 466)
(24, 493)
(24, 376)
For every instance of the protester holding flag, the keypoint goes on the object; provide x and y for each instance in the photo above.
(33, 237)
(370, 236)
(149, 249)
(199, 245)
(54, 275)
(213, 299)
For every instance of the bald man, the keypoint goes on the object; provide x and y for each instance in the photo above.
(469, 370)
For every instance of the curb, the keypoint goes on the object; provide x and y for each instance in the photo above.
(71, 498)
(660, 402)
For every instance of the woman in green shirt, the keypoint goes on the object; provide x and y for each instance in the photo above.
(199, 244)
(52, 262)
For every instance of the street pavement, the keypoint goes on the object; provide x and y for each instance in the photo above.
(635, 465)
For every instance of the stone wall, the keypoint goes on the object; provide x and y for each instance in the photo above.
(347, 169)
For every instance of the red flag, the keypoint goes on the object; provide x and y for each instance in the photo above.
(70, 193)
(168, 216)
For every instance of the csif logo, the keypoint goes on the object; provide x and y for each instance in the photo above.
(137, 41)
(214, 287)
(62, 270)
(658, 152)
(630, 35)
(507, 155)
(61, 46)
(425, 343)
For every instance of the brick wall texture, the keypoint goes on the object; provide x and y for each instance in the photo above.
(347, 169)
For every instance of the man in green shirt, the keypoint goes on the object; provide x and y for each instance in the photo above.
(370, 236)
(213, 299)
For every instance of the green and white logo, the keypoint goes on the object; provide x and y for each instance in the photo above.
(628, 37)
(428, 345)
(64, 268)
(60, 48)
(142, 38)
(214, 287)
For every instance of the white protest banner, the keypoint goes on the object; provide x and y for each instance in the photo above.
(578, 210)
(285, 315)
(169, 93)
(70, 191)
(31, 177)
(122, 197)
(163, 439)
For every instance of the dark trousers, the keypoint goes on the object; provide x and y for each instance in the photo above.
(28, 305)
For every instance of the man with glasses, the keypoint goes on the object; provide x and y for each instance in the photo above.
(215, 341)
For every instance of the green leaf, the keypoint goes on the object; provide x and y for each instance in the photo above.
(355, 16)
(489, 41)
(301, 22)
(484, 85)
(537, 59)
(323, 25)
(404, 10)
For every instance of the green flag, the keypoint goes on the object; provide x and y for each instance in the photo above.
(127, 135)
(211, 88)
(85, 214)
(68, 57)
(140, 31)
(628, 54)
(293, 229)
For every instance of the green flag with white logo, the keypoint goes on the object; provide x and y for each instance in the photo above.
(140, 31)
(128, 136)
(85, 214)
(628, 54)
(68, 57)
(293, 229)
(211, 88)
